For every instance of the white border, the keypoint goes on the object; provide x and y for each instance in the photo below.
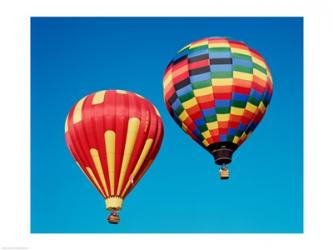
(15, 123)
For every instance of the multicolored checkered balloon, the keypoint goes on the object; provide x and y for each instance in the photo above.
(217, 90)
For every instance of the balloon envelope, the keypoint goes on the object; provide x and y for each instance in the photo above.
(217, 90)
(114, 136)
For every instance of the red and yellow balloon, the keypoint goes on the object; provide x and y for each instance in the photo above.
(114, 136)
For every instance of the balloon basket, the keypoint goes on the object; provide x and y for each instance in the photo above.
(114, 219)
(224, 174)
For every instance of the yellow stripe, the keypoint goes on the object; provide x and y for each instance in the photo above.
(132, 132)
(110, 145)
(66, 124)
(138, 165)
(94, 180)
(95, 156)
(243, 76)
(78, 111)
(222, 82)
(236, 111)
(99, 97)
(250, 107)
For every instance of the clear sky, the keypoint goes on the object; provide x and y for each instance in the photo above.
(181, 193)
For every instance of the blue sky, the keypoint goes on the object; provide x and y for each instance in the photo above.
(181, 193)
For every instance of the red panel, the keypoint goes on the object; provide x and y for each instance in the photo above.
(232, 124)
(223, 96)
(241, 83)
(217, 40)
(216, 138)
(199, 64)
(239, 45)
(235, 118)
(169, 93)
(189, 123)
(193, 111)
(179, 65)
(205, 99)
(242, 90)
(247, 114)
(210, 140)
(223, 128)
(196, 115)
(207, 105)
(181, 77)
(215, 132)
(258, 87)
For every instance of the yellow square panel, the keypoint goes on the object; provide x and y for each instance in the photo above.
(184, 127)
(190, 103)
(250, 107)
(206, 134)
(223, 117)
(219, 45)
(259, 62)
(205, 143)
(183, 116)
(167, 80)
(262, 107)
(243, 76)
(243, 137)
(259, 74)
(236, 111)
(222, 82)
(198, 44)
(269, 75)
(203, 91)
(241, 51)
(235, 140)
(212, 125)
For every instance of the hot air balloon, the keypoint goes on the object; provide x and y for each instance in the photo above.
(114, 136)
(217, 90)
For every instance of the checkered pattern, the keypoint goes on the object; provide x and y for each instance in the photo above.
(217, 90)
